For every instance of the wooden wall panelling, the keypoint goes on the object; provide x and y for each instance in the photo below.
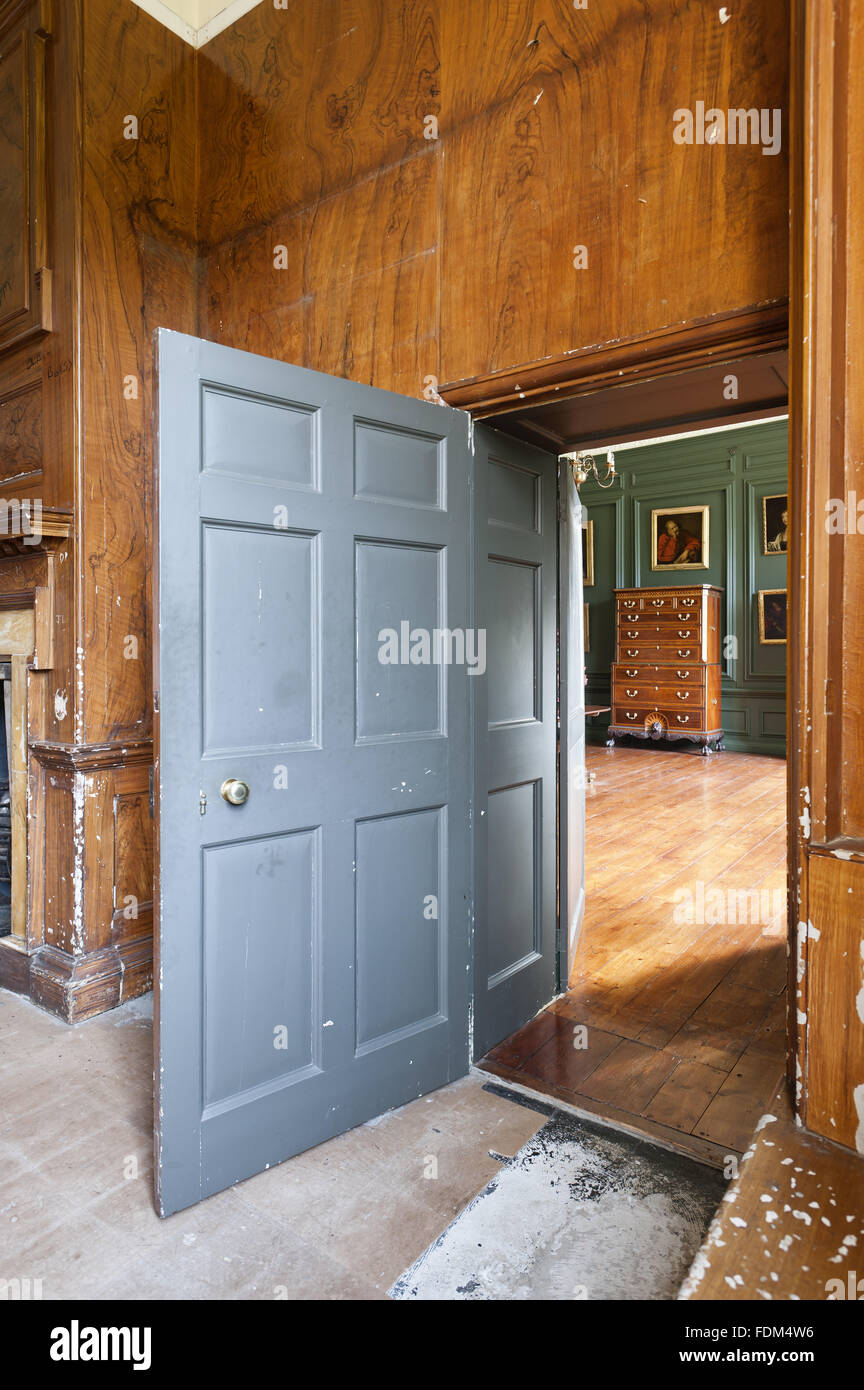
(139, 274)
(297, 104)
(523, 178)
(827, 660)
(25, 286)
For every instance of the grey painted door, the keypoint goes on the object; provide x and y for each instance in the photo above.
(516, 562)
(314, 939)
(572, 723)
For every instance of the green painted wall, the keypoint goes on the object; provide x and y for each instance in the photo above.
(731, 471)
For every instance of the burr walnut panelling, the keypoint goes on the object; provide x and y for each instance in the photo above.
(486, 143)
(139, 274)
(25, 278)
(826, 568)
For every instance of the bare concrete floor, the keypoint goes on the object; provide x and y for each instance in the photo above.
(342, 1221)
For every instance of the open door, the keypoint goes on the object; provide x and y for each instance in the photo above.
(313, 772)
(572, 723)
(516, 564)
(325, 662)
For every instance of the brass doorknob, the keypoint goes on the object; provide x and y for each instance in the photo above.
(234, 791)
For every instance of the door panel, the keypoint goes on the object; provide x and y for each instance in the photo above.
(313, 941)
(516, 557)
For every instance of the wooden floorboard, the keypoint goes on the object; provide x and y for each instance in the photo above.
(670, 1027)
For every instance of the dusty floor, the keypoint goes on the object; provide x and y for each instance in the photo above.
(581, 1212)
(343, 1221)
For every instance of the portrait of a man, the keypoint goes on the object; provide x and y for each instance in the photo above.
(679, 540)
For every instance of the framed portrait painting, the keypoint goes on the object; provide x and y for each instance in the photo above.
(772, 617)
(587, 554)
(775, 521)
(679, 538)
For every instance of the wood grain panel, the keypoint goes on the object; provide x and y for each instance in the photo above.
(343, 86)
(826, 809)
(25, 277)
(537, 151)
(21, 433)
(139, 268)
(835, 1001)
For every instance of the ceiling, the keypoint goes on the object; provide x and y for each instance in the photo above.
(666, 404)
(196, 21)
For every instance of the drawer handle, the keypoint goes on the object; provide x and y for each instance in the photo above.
(687, 633)
(658, 602)
(631, 673)
(629, 602)
(682, 675)
(631, 652)
(687, 602)
(631, 694)
(628, 715)
(683, 718)
(632, 617)
(683, 694)
(687, 653)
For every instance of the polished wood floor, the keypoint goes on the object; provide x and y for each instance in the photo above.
(672, 1027)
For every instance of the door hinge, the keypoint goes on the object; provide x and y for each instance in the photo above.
(202, 803)
(155, 701)
(562, 508)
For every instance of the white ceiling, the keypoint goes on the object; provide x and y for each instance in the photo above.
(196, 21)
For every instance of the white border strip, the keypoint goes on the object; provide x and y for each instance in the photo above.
(196, 37)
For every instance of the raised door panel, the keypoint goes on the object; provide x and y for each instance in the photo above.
(25, 281)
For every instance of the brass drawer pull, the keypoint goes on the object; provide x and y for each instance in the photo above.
(628, 603)
(631, 652)
(687, 633)
(687, 653)
(631, 673)
(682, 675)
(658, 602)
(683, 718)
(688, 602)
(632, 617)
(628, 715)
(631, 694)
(683, 694)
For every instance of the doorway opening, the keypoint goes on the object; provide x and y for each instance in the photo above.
(672, 1023)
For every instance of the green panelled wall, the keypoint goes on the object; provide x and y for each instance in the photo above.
(731, 471)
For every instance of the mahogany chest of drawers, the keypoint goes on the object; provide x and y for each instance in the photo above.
(667, 673)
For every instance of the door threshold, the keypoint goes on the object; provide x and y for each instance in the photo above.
(690, 1145)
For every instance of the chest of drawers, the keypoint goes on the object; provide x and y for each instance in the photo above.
(667, 674)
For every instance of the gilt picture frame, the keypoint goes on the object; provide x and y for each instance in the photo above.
(680, 538)
(773, 617)
(774, 529)
(587, 554)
